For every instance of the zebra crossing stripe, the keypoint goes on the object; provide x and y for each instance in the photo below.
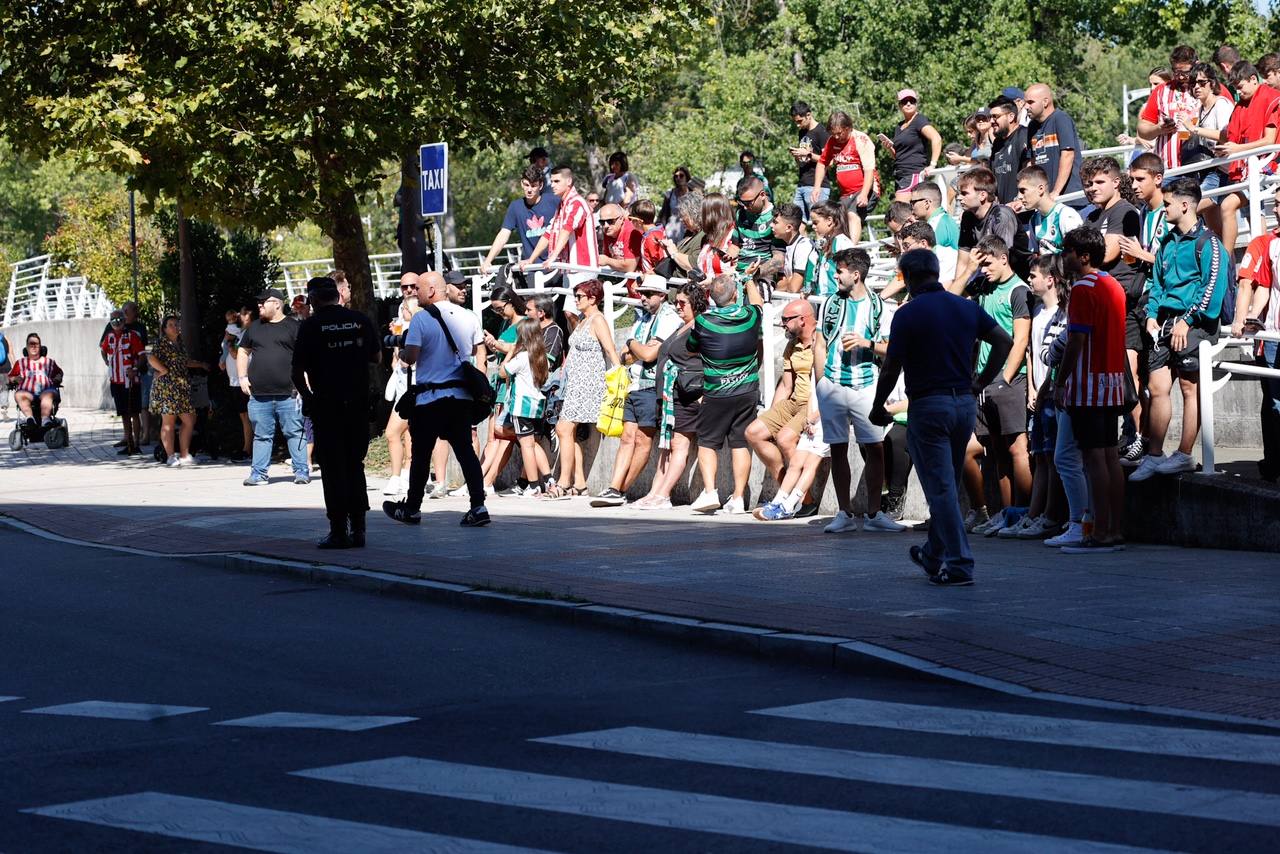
(117, 711)
(302, 720)
(692, 811)
(8, 699)
(261, 829)
(887, 769)
(1137, 738)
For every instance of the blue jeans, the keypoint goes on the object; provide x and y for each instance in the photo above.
(938, 432)
(264, 415)
(1069, 462)
(802, 199)
(1270, 358)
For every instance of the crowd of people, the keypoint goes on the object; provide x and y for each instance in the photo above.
(1088, 284)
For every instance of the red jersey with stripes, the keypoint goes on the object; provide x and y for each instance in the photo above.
(1248, 123)
(1259, 266)
(1097, 311)
(1166, 102)
(573, 215)
(34, 375)
(713, 260)
(123, 350)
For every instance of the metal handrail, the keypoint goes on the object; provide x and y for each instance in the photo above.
(1210, 356)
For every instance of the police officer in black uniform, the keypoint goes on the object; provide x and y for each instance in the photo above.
(331, 360)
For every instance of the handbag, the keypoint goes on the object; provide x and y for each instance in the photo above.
(473, 381)
(617, 381)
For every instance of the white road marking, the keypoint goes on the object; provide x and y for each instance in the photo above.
(303, 720)
(117, 711)
(691, 811)
(887, 769)
(8, 699)
(261, 829)
(1137, 738)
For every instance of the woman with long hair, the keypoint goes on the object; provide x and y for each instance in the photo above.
(171, 391)
(620, 186)
(716, 255)
(591, 354)
(829, 226)
(525, 369)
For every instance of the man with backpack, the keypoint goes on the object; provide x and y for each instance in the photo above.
(1191, 277)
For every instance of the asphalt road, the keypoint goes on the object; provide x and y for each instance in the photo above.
(151, 704)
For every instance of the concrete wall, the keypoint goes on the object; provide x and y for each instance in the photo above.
(73, 344)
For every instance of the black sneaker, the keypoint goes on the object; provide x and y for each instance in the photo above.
(1132, 453)
(947, 578)
(806, 510)
(609, 498)
(120, 444)
(892, 504)
(918, 558)
(335, 540)
(400, 512)
(476, 517)
(516, 490)
(238, 457)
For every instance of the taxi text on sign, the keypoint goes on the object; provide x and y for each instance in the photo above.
(433, 162)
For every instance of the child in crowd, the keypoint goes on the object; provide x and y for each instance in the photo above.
(525, 370)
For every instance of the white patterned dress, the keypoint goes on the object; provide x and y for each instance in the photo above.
(584, 377)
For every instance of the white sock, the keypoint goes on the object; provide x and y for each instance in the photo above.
(791, 502)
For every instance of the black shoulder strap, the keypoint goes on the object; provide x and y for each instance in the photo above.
(448, 336)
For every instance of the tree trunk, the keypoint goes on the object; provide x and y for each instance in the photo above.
(188, 307)
(350, 248)
(413, 246)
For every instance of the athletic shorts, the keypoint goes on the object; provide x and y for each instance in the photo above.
(1095, 426)
(128, 399)
(687, 416)
(641, 407)
(812, 443)
(785, 412)
(1185, 362)
(1135, 330)
(841, 406)
(848, 203)
(726, 418)
(525, 426)
(239, 400)
(1002, 409)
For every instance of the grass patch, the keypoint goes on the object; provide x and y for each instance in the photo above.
(378, 460)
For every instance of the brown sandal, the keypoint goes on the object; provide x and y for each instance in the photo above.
(556, 492)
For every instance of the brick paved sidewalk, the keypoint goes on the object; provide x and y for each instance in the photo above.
(1196, 630)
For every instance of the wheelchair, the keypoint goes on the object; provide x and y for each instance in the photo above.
(53, 435)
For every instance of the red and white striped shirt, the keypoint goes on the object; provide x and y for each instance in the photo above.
(1166, 102)
(35, 375)
(712, 260)
(574, 215)
(1097, 309)
(122, 350)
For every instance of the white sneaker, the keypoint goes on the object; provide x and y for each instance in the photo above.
(174, 462)
(882, 522)
(707, 502)
(1036, 529)
(1176, 463)
(1015, 530)
(188, 460)
(991, 526)
(974, 519)
(1073, 536)
(843, 523)
(660, 504)
(1148, 468)
(732, 507)
(392, 486)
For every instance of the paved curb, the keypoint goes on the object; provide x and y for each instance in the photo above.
(839, 653)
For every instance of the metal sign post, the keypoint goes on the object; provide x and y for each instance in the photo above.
(433, 182)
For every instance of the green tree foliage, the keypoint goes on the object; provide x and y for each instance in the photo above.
(31, 198)
(261, 113)
(92, 239)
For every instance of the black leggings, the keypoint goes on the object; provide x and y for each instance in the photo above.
(448, 418)
(897, 463)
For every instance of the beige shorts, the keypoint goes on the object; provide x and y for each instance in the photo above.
(785, 413)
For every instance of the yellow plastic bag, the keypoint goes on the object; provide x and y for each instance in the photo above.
(617, 382)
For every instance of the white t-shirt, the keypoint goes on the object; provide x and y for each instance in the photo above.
(518, 369)
(437, 362)
(1039, 345)
(796, 258)
(947, 260)
(233, 374)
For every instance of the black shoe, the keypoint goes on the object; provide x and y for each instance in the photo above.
(476, 517)
(125, 450)
(919, 559)
(609, 498)
(335, 540)
(399, 511)
(806, 510)
(121, 444)
(947, 578)
(892, 505)
(133, 451)
(238, 457)
(357, 531)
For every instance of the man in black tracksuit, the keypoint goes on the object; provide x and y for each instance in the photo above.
(334, 348)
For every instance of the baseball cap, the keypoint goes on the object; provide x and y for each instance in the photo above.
(982, 113)
(652, 283)
(320, 286)
(455, 278)
(1013, 93)
(907, 93)
(273, 293)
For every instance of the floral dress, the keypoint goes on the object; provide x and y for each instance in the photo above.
(171, 393)
(583, 377)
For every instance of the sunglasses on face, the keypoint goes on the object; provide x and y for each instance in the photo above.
(579, 296)
(787, 318)
(745, 201)
(1200, 81)
(498, 306)
(906, 101)
(683, 303)
(609, 221)
(918, 201)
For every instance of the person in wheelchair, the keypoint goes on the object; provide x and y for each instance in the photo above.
(36, 377)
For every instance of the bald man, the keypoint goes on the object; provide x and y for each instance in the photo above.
(1055, 145)
(775, 433)
(620, 240)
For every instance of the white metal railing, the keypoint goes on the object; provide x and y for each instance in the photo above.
(385, 269)
(1210, 356)
(36, 293)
